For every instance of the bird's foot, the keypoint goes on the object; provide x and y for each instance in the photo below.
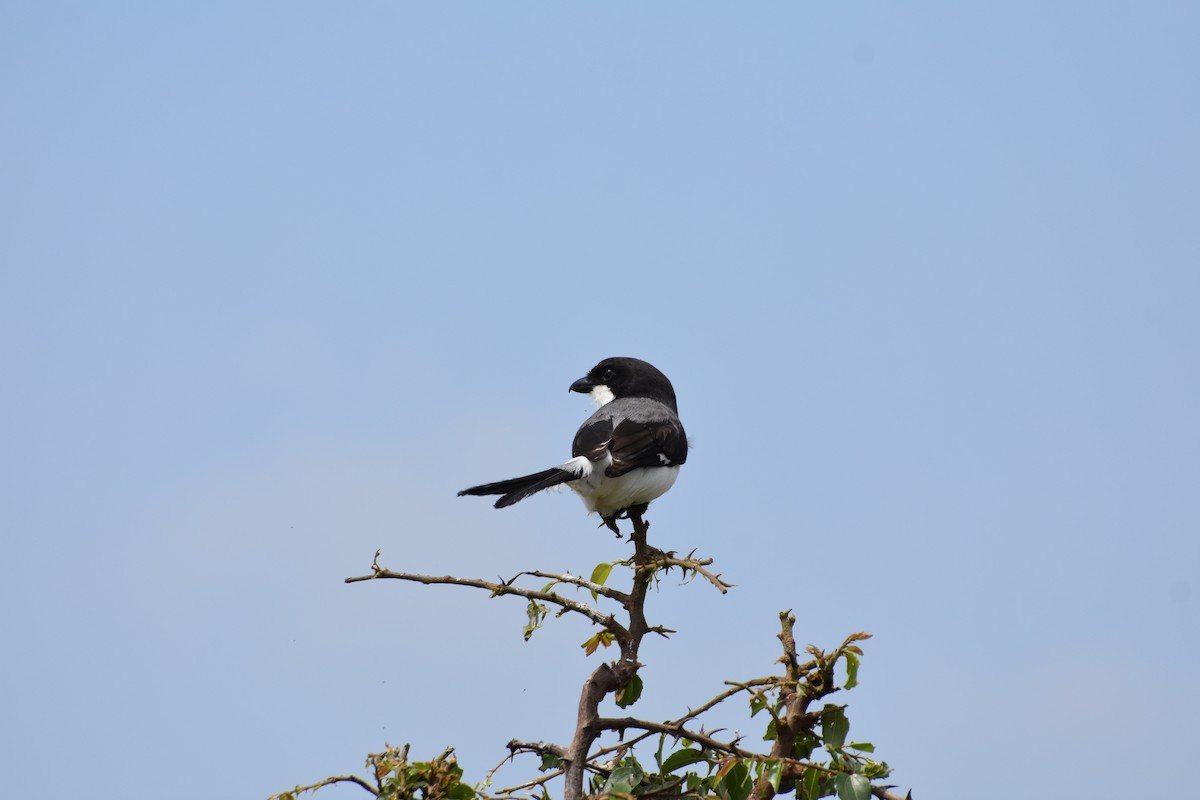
(633, 514)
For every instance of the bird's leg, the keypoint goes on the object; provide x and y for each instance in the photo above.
(633, 514)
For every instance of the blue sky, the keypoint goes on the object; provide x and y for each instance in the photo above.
(277, 279)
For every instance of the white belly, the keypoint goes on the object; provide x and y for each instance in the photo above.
(606, 496)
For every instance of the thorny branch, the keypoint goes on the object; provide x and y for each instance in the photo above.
(606, 678)
(566, 577)
(312, 787)
(678, 723)
(665, 561)
(786, 698)
(497, 589)
(677, 731)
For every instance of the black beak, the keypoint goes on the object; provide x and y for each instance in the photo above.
(583, 386)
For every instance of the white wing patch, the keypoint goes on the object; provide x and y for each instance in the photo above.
(580, 467)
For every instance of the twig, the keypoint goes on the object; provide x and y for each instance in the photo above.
(600, 589)
(529, 784)
(697, 566)
(725, 695)
(692, 714)
(606, 620)
(328, 782)
(487, 780)
(541, 748)
(623, 745)
(514, 747)
(675, 730)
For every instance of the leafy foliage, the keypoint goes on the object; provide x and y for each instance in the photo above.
(396, 778)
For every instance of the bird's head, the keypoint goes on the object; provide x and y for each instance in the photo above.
(625, 377)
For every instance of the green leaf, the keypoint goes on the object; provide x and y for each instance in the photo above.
(630, 694)
(757, 704)
(834, 726)
(648, 789)
(549, 762)
(536, 613)
(623, 779)
(804, 746)
(737, 781)
(771, 734)
(865, 747)
(811, 784)
(600, 575)
(852, 787)
(773, 770)
(682, 758)
(460, 791)
(852, 663)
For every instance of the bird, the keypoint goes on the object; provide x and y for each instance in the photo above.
(625, 455)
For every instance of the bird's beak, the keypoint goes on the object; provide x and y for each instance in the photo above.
(583, 386)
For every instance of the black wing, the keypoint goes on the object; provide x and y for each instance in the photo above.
(592, 440)
(632, 444)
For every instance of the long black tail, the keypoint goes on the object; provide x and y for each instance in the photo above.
(517, 489)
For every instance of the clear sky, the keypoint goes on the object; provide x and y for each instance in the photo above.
(277, 279)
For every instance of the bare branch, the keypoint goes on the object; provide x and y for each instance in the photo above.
(600, 589)
(329, 782)
(516, 747)
(676, 730)
(725, 695)
(619, 746)
(606, 620)
(529, 784)
(787, 638)
(692, 714)
(541, 748)
(689, 564)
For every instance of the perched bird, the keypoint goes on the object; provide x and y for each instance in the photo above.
(625, 455)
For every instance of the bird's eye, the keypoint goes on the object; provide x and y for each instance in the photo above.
(608, 373)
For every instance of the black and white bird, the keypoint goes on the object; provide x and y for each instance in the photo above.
(625, 455)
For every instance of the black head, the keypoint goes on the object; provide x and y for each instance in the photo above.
(627, 377)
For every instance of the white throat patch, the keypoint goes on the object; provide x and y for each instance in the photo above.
(601, 395)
